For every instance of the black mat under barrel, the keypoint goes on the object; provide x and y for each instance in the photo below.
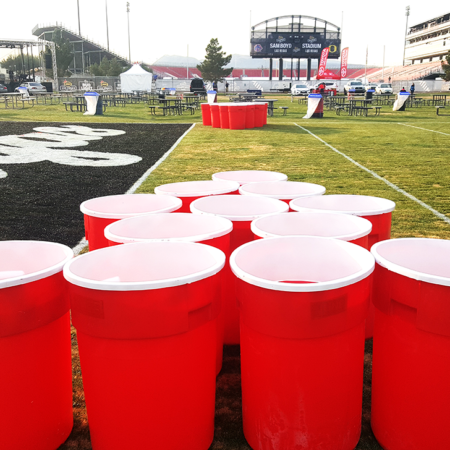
(40, 199)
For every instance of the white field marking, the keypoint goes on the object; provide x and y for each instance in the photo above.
(77, 249)
(3, 174)
(375, 175)
(424, 129)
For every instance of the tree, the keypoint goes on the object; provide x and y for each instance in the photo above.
(95, 70)
(115, 68)
(212, 68)
(104, 66)
(15, 62)
(446, 67)
(64, 55)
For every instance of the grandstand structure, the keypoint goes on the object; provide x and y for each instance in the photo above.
(85, 51)
(428, 41)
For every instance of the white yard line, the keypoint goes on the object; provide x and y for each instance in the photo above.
(77, 249)
(424, 129)
(375, 175)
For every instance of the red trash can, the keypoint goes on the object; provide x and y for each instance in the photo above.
(188, 191)
(303, 301)
(215, 115)
(250, 116)
(282, 190)
(249, 176)
(241, 210)
(377, 210)
(345, 227)
(206, 114)
(224, 115)
(35, 346)
(101, 211)
(236, 116)
(260, 115)
(146, 323)
(172, 227)
(411, 344)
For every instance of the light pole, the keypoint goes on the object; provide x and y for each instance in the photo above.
(107, 29)
(78, 7)
(128, 18)
(406, 32)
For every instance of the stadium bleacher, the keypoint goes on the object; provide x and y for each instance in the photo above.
(397, 73)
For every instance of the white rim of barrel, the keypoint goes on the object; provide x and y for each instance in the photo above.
(16, 276)
(112, 232)
(114, 261)
(324, 203)
(274, 189)
(365, 226)
(88, 206)
(297, 247)
(249, 176)
(201, 188)
(410, 262)
(227, 212)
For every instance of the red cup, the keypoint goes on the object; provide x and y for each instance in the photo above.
(188, 191)
(146, 325)
(282, 190)
(260, 115)
(224, 116)
(35, 346)
(377, 210)
(323, 224)
(215, 115)
(206, 114)
(236, 116)
(241, 210)
(250, 116)
(249, 176)
(174, 227)
(303, 302)
(101, 211)
(411, 344)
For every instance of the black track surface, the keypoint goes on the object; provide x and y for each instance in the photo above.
(41, 200)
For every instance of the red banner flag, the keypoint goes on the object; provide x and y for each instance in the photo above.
(344, 62)
(323, 62)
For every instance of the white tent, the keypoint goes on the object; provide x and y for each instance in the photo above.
(136, 79)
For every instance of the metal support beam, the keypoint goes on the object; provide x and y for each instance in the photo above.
(308, 70)
(270, 68)
(280, 72)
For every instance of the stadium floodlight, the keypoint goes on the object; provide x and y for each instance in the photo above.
(406, 32)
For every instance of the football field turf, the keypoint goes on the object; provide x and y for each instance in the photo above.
(399, 156)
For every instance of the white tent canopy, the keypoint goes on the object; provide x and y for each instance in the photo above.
(136, 79)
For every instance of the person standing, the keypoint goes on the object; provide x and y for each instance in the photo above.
(412, 89)
(226, 86)
(215, 86)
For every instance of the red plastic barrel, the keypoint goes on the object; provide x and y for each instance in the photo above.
(236, 116)
(241, 210)
(377, 210)
(282, 190)
(332, 225)
(224, 116)
(215, 115)
(303, 301)
(411, 344)
(260, 115)
(146, 323)
(250, 116)
(210, 230)
(249, 176)
(35, 347)
(266, 106)
(206, 114)
(101, 211)
(188, 191)
(318, 113)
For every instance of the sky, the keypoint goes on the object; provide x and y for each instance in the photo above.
(159, 28)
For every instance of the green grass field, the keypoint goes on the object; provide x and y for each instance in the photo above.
(410, 150)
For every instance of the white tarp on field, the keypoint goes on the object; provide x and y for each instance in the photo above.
(136, 79)
(402, 97)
